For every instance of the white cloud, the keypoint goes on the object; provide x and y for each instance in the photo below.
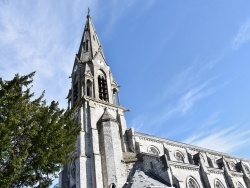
(192, 96)
(179, 107)
(188, 79)
(138, 122)
(183, 92)
(243, 36)
(37, 37)
(222, 139)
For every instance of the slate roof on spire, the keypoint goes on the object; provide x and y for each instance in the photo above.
(90, 44)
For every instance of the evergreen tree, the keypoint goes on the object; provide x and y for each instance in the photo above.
(36, 139)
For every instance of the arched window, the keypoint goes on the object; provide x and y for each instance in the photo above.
(75, 92)
(89, 88)
(115, 97)
(239, 185)
(112, 185)
(153, 150)
(103, 89)
(87, 45)
(83, 44)
(218, 184)
(179, 156)
(191, 183)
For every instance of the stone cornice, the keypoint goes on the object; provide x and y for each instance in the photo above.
(104, 103)
(156, 139)
(215, 170)
(183, 165)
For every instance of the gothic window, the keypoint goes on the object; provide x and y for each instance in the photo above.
(192, 183)
(218, 184)
(87, 45)
(75, 92)
(94, 37)
(179, 156)
(89, 88)
(115, 97)
(153, 150)
(83, 44)
(103, 89)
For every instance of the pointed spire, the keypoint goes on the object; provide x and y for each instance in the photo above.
(90, 44)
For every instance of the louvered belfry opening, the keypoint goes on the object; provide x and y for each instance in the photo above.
(103, 89)
(75, 92)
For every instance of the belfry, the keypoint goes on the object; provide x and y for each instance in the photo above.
(108, 155)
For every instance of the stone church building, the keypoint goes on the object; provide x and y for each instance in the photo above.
(109, 155)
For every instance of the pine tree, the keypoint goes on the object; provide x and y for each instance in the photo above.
(35, 138)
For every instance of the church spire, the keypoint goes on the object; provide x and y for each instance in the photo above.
(90, 45)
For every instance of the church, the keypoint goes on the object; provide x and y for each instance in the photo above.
(109, 155)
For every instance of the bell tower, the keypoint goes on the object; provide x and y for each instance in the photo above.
(101, 143)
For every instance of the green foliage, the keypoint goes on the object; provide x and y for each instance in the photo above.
(35, 138)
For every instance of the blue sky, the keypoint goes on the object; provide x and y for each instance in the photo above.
(183, 66)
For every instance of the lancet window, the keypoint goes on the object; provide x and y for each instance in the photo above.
(103, 89)
(75, 92)
(87, 45)
(115, 97)
(83, 45)
(89, 88)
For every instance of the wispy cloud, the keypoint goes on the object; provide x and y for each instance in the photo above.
(182, 93)
(187, 79)
(193, 96)
(213, 135)
(226, 140)
(138, 122)
(184, 103)
(117, 9)
(243, 36)
(36, 37)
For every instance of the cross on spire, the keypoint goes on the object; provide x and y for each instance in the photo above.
(88, 11)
